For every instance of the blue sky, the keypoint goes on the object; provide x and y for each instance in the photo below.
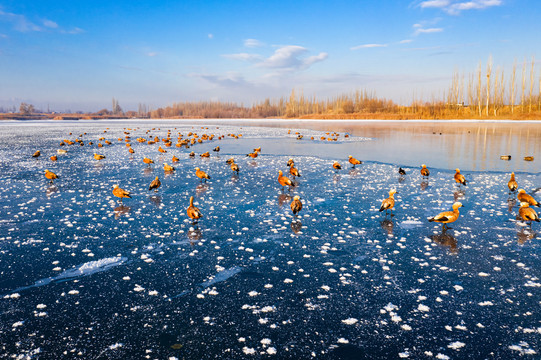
(79, 54)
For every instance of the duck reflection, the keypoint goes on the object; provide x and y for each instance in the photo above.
(147, 171)
(201, 189)
(167, 174)
(388, 226)
(336, 178)
(401, 179)
(296, 226)
(459, 195)
(525, 235)
(253, 163)
(121, 210)
(234, 178)
(511, 202)
(447, 240)
(424, 185)
(195, 234)
(156, 200)
(51, 190)
(283, 199)
(354, 172)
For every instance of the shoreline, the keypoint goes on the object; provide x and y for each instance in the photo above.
(228, 121)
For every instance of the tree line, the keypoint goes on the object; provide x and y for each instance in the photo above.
(485, 93)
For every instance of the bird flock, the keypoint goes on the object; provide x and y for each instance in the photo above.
(526, 213)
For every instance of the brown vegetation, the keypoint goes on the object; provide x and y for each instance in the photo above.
(475, 96)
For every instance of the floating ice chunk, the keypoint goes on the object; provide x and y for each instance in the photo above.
(253, 293)
(486, 303)
(271, 351)
(456, 345)
(458, 288)
(115, 346)
(266, 341)
(342, 341)
(18, 324)
(222, 276)
(423, 308)
(41, 306)
(73, 292)
(350, 321)
(406, 327)
(288, 281)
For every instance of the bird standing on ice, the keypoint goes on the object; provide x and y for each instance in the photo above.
(354, 161)
(290, 163)
(424, 171)
(155, 184)
(120, 193)
(201, 174)
(50, 175)
(193, 212)
(527, 213)
(523, 197)
(388, 204)
(447, 216)
(283, 180)
(336, 166)
(512, 184)
(293, 171)
(168, 168)
(459, 178)
(296, 205)
(99, 157)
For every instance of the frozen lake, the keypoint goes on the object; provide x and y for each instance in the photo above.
(83, 276)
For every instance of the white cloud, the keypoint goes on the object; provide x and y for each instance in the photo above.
(368, 46)
(405, 41)
(244, 57)
(75, 30)
(252, 43)
(20, 22)
(427, 31)
(288, 58)
(210, 36)
(50, 24)
(435, 3)
(455, 7)
(228, 80)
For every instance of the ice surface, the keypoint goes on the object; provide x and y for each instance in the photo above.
(82, 273)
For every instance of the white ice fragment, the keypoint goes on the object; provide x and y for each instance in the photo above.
(456, 345)
(350, 321)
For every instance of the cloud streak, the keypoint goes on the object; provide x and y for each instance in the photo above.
(456, 7)
(252, 43)
(285, 58)
(20, 22)
(367, 46)
(427, 31)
